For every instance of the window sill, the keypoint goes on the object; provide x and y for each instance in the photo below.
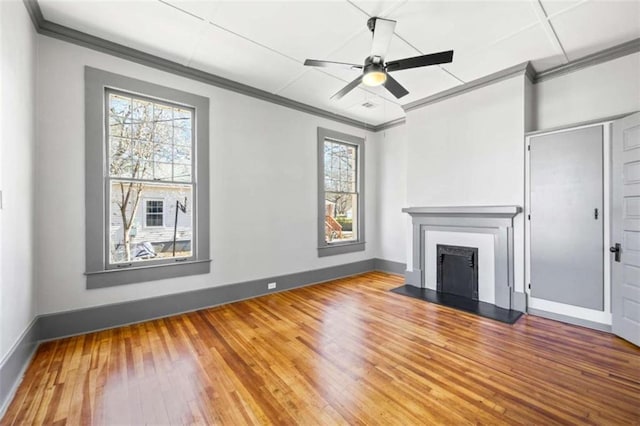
(137, 274)
(340, 248)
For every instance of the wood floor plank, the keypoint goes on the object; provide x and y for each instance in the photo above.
(344, 352)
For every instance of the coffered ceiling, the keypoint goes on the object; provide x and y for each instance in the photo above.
(264, 43)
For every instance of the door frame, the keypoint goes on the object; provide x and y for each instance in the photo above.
(582, 316)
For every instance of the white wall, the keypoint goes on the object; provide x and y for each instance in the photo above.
(392, 194)
(600, 91)
(263, 185)
(17, 127)
(469, 150)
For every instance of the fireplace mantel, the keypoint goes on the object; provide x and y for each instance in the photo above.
(493, 220)
(465, 211)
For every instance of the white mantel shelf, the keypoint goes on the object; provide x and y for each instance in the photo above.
(465, 211)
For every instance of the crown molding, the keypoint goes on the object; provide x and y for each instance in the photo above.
(70, 35)
(520, 69)
(80, 38)
(390, 124)
(606, 55)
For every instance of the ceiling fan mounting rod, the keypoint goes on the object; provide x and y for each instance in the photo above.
(371, 23)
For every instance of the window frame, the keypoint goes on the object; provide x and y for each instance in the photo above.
(350, 246)
(99, 273)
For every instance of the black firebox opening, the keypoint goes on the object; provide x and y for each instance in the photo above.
(458, 270)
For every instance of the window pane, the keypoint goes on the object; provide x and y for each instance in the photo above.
(143, 218)
(182, 154)
(182, 126)
(142, 130)
(341, 217)
(163, 153)
(182, 172)
(120, 105)
(142, 111)
(120, 164)
(163, 171)
(119, 126)
(146, 139)
(340, 167)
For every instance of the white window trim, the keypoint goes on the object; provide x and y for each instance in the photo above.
(99, 273)
(350, 246)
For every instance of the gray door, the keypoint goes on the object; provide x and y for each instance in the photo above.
(625, 229)
(567, 247)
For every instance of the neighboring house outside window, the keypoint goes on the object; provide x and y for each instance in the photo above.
(152, 143)
(340, 193)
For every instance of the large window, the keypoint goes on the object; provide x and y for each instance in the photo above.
(147, 215)
(150, 154)
(341, 193)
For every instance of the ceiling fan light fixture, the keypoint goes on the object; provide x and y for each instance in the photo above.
(374, 76)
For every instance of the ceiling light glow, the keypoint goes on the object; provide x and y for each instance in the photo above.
(374, 78)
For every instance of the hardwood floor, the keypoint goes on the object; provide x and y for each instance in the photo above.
(343, 352)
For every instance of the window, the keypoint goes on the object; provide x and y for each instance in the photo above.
(147, 216)
(340, 193)
(155, 213)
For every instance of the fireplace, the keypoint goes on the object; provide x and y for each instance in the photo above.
(457, 269)
(490, 229)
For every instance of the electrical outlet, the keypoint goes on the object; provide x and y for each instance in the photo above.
(271, 286)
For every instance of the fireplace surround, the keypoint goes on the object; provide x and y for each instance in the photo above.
(494, 221)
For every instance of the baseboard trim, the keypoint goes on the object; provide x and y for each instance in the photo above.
(69, 323)
(15, 363)
(81, 321)
(519, 301)
(389, 266)
(570, 320)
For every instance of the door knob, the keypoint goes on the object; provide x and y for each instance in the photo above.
(616, 249)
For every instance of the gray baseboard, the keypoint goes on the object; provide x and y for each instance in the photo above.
(570, 320)
(519, 302)
(62, 324)
(389, 266)
(413, 278)
(15, 364)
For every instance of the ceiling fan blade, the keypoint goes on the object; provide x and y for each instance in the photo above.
(330, 64)
(421, 61)
(382, 33)
(346, 89)
(394, 87)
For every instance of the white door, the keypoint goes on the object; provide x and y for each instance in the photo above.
(625, 229)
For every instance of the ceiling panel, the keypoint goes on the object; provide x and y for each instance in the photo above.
(307, 29)
(597, 25)
(379, 8)
(203, 9)
(263, 43)
(461, 25)
(316, 88)
(553, 7)
(141, 25)
(383, 111)
(220, 52)
(531, 44)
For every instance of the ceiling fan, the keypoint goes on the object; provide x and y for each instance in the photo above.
(375, 71)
